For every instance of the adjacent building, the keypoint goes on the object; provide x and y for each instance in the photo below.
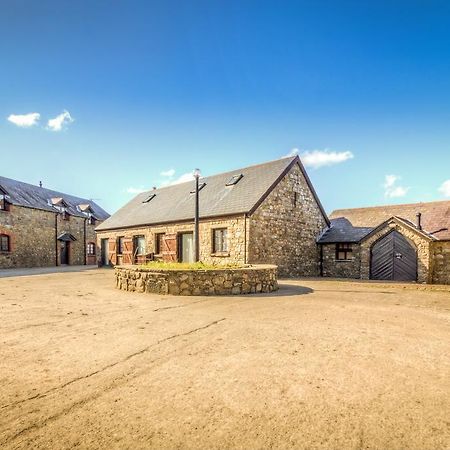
(267, 213)
(409, 242)
(40, 227)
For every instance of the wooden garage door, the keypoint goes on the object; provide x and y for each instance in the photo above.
(393, 258)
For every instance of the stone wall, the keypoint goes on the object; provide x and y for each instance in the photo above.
(340, 269)
(283, 230)
(236, 230)
(440, 252)
(33, 234)
(418, 240)
(248, 280)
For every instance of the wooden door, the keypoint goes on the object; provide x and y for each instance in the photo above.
(169, 248)
(393, 257)
(64, 252)
(112, 251)
(127, 251)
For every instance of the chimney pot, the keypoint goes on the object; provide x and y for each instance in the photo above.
(40, 183)
(419, 220)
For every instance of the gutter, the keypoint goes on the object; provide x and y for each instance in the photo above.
(56, 239)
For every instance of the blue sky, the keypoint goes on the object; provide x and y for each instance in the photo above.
(138, 88)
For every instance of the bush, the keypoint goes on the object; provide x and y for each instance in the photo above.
(190, 266)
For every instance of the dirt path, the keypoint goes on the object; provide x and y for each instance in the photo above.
(319, 364)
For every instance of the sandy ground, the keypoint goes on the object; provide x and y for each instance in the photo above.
(320, 364)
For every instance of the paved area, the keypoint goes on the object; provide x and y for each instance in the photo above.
(4, 273)
(319, 364)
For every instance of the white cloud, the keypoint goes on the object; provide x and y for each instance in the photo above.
(168, 173)
(133, 190)
(24, 120)
(321, 158)
(183, 178)
(445, 188)
(60, 121)
(391, 189)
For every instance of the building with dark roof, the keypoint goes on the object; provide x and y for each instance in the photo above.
(41, 227)
(267, 213)
(409, 242)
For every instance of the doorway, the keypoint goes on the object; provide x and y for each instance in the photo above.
(64, 253)
(186, 246)
(393, 257)
(105, 252)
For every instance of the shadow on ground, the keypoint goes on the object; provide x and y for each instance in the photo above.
(287, 289)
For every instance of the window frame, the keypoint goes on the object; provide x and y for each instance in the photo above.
(345, 248)
(8, 243)
(89, 246)
(224, 241)
(4, 205)
(119, 245)
(158, 244)
(136, 246)
(234, 179)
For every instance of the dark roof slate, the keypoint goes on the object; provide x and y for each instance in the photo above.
(341, 230)
(175, 203)
(435, 216)
(31, 196)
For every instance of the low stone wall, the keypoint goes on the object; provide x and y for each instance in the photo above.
(248, 280)
(440, 252)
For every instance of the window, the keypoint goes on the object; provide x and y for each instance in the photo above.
(159, 240)
(64, 214)
(295, 199)
(344, 252)
(91, 249)
(150, 197)
(234, 179)
(120, 246)
(200, 187)
(139, 245)
(3, 203)
(220, 242)
(4, 243)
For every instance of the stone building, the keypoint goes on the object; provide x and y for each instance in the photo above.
(408, 242)
(40, 227)
(267, 213)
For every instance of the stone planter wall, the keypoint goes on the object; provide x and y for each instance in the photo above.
(248, 280)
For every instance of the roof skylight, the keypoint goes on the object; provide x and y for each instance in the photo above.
(149, 198)
(234, 180)
(200, 187)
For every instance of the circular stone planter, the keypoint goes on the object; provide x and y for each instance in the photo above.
(247, 280)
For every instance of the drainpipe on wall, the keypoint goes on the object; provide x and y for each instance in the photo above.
(321, 260)
(56, 239)
(85, 254)
(245, 238)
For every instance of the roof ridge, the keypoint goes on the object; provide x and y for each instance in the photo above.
(45, 189)
(290, 158)
(390, 206)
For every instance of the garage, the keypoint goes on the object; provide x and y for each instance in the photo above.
(393, 257)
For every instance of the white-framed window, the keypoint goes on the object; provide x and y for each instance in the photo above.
(220, 240)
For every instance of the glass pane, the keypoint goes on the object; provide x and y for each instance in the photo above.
(187, 247)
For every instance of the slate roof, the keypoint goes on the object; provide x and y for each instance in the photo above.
(341, 230)
(24, 194)
(175, 203)
(435, 216)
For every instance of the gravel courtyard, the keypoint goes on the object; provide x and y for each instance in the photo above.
(319, 364)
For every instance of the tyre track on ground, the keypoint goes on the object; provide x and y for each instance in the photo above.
(111, 365)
